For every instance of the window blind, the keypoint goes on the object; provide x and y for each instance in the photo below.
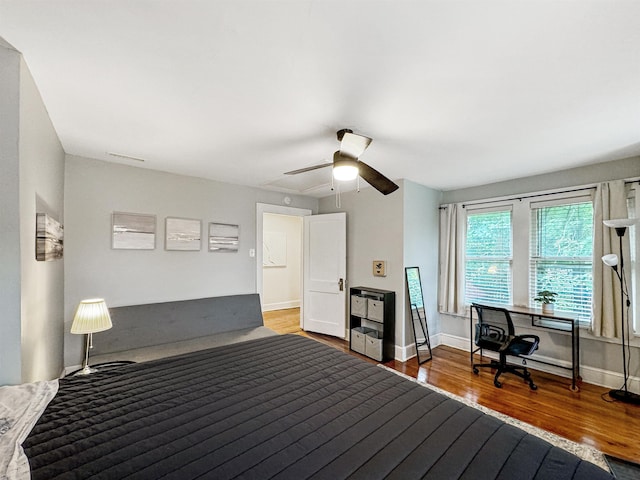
(488, 252)
(561, 256)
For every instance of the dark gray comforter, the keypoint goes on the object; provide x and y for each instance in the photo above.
(280, 407)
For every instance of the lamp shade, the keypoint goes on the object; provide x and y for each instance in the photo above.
(611, 260)
(344, 168)
(91, 316)
(620, 222)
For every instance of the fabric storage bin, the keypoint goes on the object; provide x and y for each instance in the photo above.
(373, 345)
(358, 335)
(375, 310)
(359, 306)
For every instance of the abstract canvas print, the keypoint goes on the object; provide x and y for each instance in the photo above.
(274, 249)
(133, 231)
(223, 237)
(182, 234)
(49, 238)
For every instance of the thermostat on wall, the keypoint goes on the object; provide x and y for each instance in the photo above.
(379, 268)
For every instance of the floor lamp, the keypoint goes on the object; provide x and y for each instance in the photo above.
(623, 394)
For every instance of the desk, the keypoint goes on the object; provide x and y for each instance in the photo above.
(559, 321)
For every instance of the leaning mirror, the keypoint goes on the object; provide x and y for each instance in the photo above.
(418, 315)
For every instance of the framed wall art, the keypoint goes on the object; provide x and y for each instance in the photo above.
(133, 231)
(274, 249)
(224, 237)
(183, 234)
(49, 238)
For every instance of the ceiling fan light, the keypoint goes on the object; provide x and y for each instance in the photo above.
(345, 172)
(344, 168)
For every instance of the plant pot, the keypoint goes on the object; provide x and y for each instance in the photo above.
(547, 308)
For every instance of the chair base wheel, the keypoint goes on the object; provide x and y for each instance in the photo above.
(476, 371)
(533, 386)
(497, 384)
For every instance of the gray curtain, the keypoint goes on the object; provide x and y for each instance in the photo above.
(610, 202)
(452, 256)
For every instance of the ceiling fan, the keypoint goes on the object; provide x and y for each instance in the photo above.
(347, 166)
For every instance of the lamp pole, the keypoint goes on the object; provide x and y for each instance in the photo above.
(623, 394)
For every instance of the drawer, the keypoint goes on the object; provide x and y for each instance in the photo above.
(373, 345)
(359, 306)
(358, 335)
(375, 310)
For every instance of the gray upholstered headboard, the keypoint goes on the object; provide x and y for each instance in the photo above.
(139, 326)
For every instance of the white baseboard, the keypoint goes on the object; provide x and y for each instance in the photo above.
(403, 354)
(594, 376)
(409, 351)
(68, 370)
(280, 305)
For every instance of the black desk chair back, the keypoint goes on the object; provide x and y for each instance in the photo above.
(495, 332)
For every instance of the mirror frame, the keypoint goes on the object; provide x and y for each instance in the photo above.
(415, 315)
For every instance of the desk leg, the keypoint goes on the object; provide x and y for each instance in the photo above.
(471, 335)
(575, 358)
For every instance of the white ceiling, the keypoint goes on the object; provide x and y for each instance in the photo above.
(453, 93)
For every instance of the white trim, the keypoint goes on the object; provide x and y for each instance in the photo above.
(407, 352)
(68, 370)
(280, 305)
(594, 376)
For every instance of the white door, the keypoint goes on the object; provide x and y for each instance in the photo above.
(324, 274)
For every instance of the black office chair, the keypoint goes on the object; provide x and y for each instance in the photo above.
(495, 332)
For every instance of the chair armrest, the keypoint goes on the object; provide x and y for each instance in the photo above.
(535, 338)
(531, 341)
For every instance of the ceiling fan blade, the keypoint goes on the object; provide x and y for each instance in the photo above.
(353, 145)
(308, 169)
(376, 179)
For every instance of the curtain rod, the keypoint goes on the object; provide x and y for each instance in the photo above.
(522, 197)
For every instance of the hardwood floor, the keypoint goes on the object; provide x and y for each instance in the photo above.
(588, 416)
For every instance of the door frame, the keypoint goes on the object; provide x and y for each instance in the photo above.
(262, 208)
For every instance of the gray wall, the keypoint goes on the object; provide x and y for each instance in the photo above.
(41, 191)
(599, 172)
(421, 224)
(95, 189)
(31, 292)
(401, 228)
(10, 359)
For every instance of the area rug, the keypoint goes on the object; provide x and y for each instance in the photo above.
(585, 452)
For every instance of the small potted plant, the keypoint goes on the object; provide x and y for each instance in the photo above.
(547, 299)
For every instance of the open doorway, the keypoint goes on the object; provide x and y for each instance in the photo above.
(279, 256)
(281, 261)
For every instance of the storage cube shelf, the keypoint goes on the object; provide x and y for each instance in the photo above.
(372, 322)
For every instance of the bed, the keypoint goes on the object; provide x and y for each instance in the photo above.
(277, 407)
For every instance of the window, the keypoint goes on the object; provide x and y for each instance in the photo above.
(561, 252)
(488, 253)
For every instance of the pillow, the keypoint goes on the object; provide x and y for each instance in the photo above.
(20, 408)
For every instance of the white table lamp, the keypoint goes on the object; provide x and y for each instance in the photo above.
(91, 316)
